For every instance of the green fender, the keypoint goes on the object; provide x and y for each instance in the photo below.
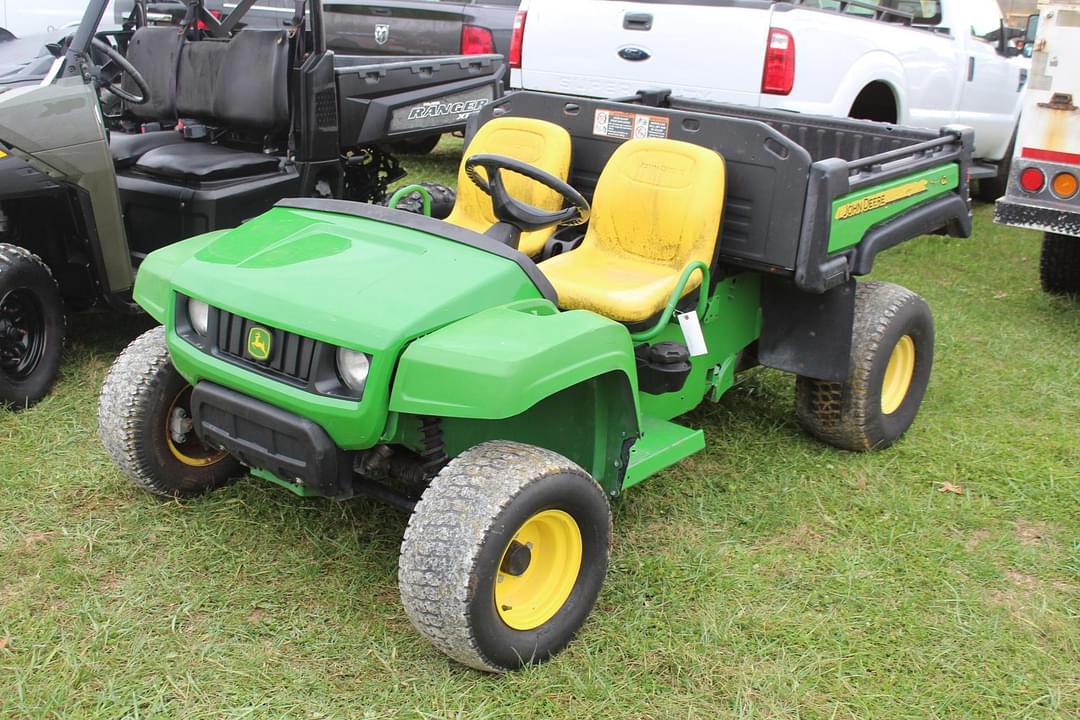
(500, 362)
(566, 381)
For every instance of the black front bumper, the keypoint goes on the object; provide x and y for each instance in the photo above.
(268, 438)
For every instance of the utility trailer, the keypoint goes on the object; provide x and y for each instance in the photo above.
(1044, 187)
(218, 123)
(502, 381)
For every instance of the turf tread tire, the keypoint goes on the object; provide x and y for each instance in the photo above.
(1059, 264)
(16, 261)
(140, 380)
(445, 537)
(848, 414)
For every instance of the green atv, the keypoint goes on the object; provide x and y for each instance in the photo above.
(504, 374)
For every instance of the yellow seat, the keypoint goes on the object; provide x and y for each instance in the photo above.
(656, 209)
(539, 143)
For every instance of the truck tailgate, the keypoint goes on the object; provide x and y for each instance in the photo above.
(408, 27)
(701, 50)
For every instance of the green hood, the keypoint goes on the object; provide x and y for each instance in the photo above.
(371, 284)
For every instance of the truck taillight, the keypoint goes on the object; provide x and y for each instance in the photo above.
(516, 39)
(778, 77)
(476, 40)
(1032, 179)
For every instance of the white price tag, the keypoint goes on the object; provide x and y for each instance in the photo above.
(691, 330)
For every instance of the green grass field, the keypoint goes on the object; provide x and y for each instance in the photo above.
(767, 577)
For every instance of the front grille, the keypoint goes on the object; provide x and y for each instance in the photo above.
(292, 356)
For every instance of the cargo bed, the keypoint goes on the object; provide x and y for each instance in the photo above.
(809, 198)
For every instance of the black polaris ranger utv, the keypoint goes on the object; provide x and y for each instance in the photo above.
(218, 122)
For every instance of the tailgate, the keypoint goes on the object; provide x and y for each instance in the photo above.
(405, 27)
(379, 101)
(610, 48)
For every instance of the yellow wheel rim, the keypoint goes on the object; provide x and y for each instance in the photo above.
(898, 375)
(538, 569)
(191, 452)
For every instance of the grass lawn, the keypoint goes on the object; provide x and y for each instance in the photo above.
(768, 576)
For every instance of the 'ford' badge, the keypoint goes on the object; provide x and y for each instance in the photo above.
(634, 54)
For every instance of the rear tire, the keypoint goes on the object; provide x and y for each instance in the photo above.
(505, 555)
(1059, 264)
(892, 353)
(141, 421)
(990, 189)
(31, 328)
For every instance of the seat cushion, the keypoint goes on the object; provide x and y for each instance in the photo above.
(127, 148)
(200, 161)
(622, 288)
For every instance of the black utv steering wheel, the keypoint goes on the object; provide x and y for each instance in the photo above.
(111, 80)
(521, 215)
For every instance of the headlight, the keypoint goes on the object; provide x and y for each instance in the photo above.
(353, 367)
(199, 315)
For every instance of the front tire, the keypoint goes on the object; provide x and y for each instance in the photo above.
(505, 555)
(144, 423)
(31, 328)
(892, 353)
(1059, 265)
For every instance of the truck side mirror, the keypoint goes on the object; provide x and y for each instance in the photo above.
(1032, 30)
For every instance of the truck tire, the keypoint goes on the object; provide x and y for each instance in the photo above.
(442, 201)
(141, 421)
(505, 555)
(31, 328)
(991, 188)
(892, 353)
(1059, 264)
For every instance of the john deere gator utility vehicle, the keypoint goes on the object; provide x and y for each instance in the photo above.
(218, 122)
(504, 374)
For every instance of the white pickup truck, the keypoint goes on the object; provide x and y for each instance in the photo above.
(926, 63)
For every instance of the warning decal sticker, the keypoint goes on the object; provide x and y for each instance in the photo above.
(624, 125)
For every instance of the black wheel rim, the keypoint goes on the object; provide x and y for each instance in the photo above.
(22, 333)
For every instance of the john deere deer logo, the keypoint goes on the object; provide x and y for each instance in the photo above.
(258, 344)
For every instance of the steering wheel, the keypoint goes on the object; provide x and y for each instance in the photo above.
(521, 215)
(111, 80)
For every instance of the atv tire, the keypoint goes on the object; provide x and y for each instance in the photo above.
(892, 353)
(504, 555)
(31, 328)
(1059, 264)
(144, 424)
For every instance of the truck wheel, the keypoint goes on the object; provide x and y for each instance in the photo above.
(991, 188)
(504, 556)
(892, 351)
(31, 327)
(144, 421)
(1059, 265)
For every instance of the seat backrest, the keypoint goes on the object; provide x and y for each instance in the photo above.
(252, 89)
(153, 50)
(201, 65)
(659, 201)
(539, 143)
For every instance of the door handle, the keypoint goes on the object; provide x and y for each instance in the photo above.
(637, 21)
(971, 68)
(380, 11)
